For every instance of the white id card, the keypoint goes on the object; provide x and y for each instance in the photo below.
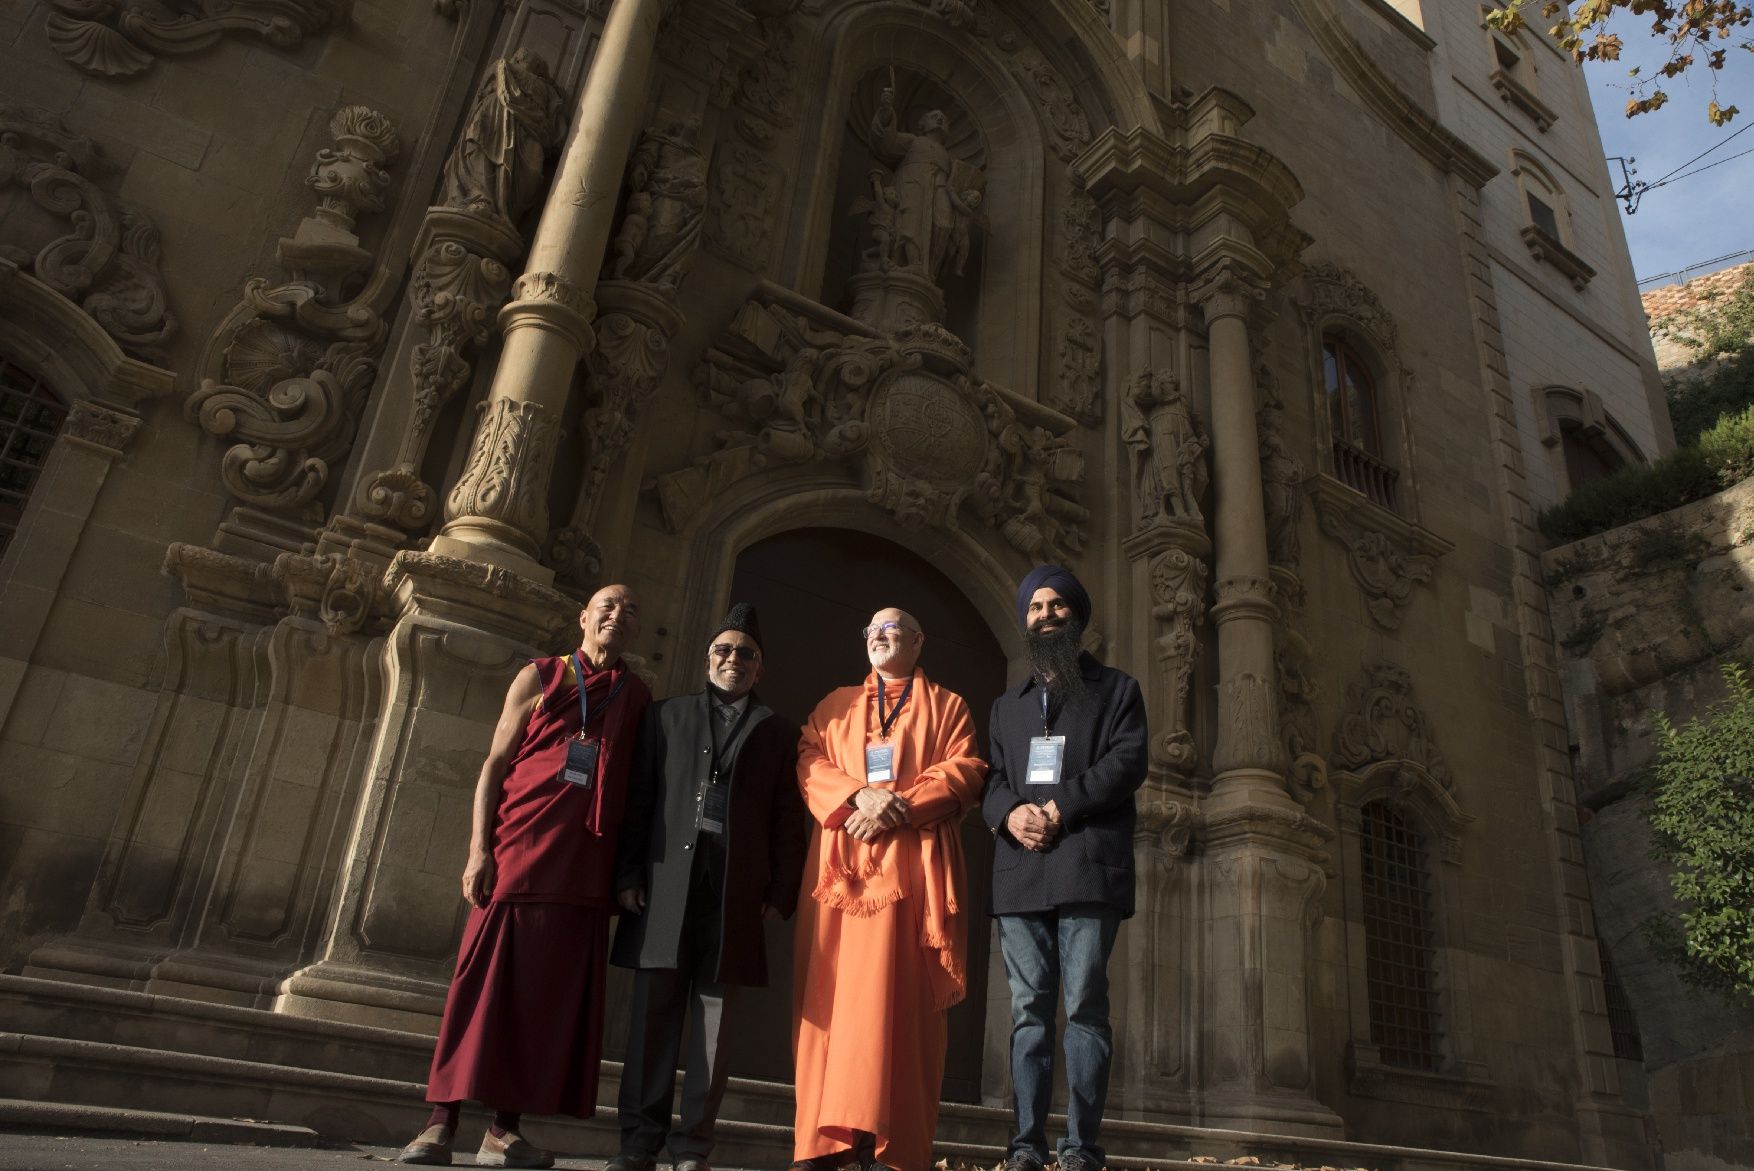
(1045, 755)
(879, 763)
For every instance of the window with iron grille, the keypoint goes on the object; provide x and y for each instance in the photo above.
(30, 417)
(1622, 1025)
(1399, 939)
(1352, 413)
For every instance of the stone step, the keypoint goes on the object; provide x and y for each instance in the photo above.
(104, 1047)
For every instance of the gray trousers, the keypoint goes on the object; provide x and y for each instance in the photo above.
(667, 1003)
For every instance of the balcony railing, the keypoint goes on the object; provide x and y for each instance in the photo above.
(1363, 472)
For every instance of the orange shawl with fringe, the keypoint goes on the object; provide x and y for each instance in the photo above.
(937, 769)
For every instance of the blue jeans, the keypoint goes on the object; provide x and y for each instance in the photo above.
(1070, 947)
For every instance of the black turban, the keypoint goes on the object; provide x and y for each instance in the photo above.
(1063, 583)
(741, 618)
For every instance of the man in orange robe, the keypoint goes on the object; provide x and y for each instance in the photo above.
(888, 769)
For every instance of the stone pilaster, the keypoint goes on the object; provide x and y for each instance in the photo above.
(463, 629)
(548, 323)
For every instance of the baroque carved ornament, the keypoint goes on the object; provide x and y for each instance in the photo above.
(113, 38)
(468, 242)
(1386, 554)
(923, 438)
(288, 369)
(1383, 723)
(97, 251)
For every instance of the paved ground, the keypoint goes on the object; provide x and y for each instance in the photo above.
(27, 1151)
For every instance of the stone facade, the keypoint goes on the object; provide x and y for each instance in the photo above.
(413, 323)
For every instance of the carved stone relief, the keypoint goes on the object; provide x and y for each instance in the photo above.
(499, 164)
(1383, 723)
(505, 477)
(744, 183)
(902, 413)
(467, 245)
(112, 38)
(287, 371)
(665, 208)
(1178, 605)
(1336, 291)
(97, 251)
(101, 426)
(1387, 555)
(1168, 444)
(1078, 390)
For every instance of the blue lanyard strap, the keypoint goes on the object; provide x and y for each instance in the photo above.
(584, 704)
(888, 721)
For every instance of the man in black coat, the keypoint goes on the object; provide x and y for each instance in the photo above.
(712, 844)
(1068, 753)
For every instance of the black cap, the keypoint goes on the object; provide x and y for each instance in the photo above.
(741, 618)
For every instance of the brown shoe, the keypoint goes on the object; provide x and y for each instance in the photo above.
(510, 1151)
(430, 1148)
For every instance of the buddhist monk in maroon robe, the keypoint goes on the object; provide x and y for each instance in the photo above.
(523, 1024)
(888, 769)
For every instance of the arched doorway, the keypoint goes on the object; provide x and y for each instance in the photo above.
(814, 589)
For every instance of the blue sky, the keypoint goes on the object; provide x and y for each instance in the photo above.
(1707, 214)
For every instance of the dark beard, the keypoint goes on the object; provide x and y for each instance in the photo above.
(1053, 654)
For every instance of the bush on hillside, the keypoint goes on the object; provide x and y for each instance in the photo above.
(1721, 333)
(1723, 455)
(1702, 810)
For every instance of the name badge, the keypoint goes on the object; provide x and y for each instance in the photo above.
(1045, 755)
(714, 808)
(879, 763)
(581, 763)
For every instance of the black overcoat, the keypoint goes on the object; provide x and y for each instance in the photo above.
(1105, 763)
(765, 834)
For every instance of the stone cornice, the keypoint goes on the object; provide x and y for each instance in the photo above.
(1416, 126)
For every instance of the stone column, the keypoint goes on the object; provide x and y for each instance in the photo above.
(498, 512)
(1263, 854)
(1247, 760)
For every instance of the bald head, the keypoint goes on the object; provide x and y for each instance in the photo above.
(608, 623)
(893, 641)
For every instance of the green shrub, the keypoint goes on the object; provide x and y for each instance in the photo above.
(1724, 455)
(1702, 811)
(1729, 447)
(1696, 404)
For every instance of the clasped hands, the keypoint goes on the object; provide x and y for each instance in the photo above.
(1035, 826)
(875, 813)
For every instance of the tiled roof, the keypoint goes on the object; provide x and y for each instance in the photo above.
(1672, 299)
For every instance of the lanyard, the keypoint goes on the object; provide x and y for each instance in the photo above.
(1045, 728)
(712, 729)
(584, 705)
(888, 721)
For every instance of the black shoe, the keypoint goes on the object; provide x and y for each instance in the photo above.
(689, 1163)
(626, 1162)
(1073, 1159)
(832, 1162)
(1022, 1161)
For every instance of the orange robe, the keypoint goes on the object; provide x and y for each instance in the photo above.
(881, 941)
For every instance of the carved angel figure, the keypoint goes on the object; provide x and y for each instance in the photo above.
(666, 206)
(936, 195)
(497, 166)
(1169, 449)
(888, 248)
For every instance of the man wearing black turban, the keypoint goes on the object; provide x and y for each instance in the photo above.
(1068, 753)
(713, 843)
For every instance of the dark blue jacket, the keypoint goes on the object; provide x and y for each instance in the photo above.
(1105, 763)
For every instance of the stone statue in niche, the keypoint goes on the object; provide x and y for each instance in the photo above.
(666, 207)
(515, 120)
(936, 197)
(1169, 450)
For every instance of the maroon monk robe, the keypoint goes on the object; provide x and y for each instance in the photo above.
(523, 1024)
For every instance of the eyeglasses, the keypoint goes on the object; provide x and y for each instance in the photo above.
(876, 628)
(725, 650)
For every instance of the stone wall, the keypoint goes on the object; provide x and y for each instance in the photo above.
(1645, 615)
